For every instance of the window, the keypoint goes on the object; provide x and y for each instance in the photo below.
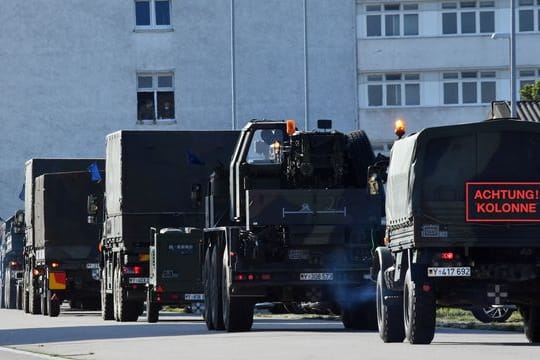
(155, 97)
(528, 77)
(153, 14)
(392, 20)
(394, 89)
(529, 15)
(469, 87)
(468, 17)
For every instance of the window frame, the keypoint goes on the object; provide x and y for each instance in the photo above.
(534, 7)
(155, 89)
(479, 9)
(462, 79)
(382, 13)
(153, 19)
(384, 82)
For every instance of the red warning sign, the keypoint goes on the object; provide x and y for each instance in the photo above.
(502, 202)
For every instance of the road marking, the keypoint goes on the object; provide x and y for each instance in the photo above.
(30, 353)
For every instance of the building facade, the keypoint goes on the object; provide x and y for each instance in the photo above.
(435, 62)
(74, 71)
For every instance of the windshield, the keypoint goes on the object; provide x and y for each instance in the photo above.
(265, 147)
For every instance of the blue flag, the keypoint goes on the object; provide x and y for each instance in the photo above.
(94, 172)
(193, 159)
(21, 194)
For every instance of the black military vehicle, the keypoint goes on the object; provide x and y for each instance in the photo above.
(291, 221)
(155, 181)
(57, 231)
(11, 259)
(461, 226)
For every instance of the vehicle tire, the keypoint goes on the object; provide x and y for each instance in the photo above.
(418, 313)
(53, 305)
(389, 316)
(237, 312)
(33, 301)
(215, 300)
(127, 311)
(107, 310)
(11, 296)
(26, 301)
(208, 289)
(531, 323)
(152, 308)
(44, 304)
(3, 290)
(492, 314)
(19, 297)
(361, 154)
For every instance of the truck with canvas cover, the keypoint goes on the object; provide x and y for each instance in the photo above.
(155, 180)
(11, 260)
(292, 221)
(462, 224)
(34, 260)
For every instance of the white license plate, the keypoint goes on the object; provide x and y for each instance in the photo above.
(317, 276)
(463, 271)
(92, 266)
(194, 297)
(139, 280)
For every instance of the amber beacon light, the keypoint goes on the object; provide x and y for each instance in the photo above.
(399, 128)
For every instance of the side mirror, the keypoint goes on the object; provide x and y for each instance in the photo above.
(92, 208)
(376, 177)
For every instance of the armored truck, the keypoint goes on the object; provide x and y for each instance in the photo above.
(37, 260)
(11, 259)
(462, 226)
(155, 181)
(292, 220)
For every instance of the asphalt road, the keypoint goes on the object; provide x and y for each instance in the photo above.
(83, 335)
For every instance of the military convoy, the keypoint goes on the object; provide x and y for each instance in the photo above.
(461, 226)
(11, 260)
(188, 218)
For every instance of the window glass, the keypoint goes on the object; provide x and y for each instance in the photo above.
(145, 106)
(262, 150)
(468, 22)
(469, 92)
(487, 21)
(467, 4)
(412, 77)
(449, 5)
(410, 6)
(526, 20)
(373, 25)
(391, 7)
(412, 94)
(526, 73)
(373, 8)
(485, 4)
(410, 24)
(393, 77)
(393, 94)
(374, 77)
(449, 23)
(165, 101)
(450, 75)
(145, 82)
(391, 25)
(469, 74)
(488, 91)
(526, 2)
(142, 13)
(375, 95)
(487, 74)
(162, 13)
(165, 81)
(450, 93)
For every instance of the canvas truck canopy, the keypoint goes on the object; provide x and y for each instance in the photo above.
(434, 166)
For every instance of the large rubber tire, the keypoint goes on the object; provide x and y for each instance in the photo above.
(126, 311)
(531, 323)
(44, 304)
(359, 316)
(389, 317)
(152, 308)
(419, 313)
(2, 297)
(19, 297)
(491, 314)
(237, 312)
(107, 306)
(208, 294)
(53, 305)
(11, 296)
(361, 154)
(33, 301)
(26, 301)
(215, 300)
